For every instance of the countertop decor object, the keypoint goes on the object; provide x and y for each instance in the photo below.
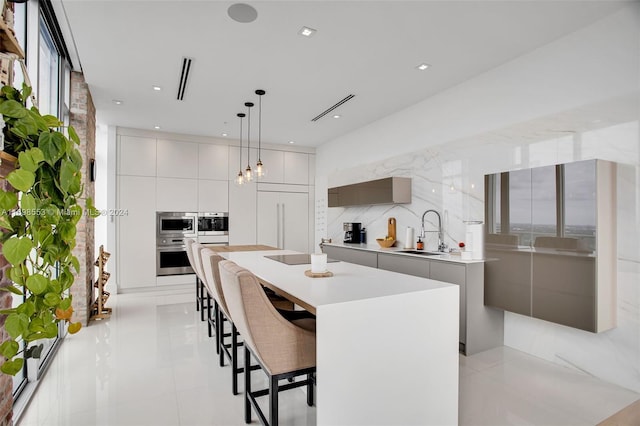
(324, 274)
(408, 240)
(386, 243)
(318, 263)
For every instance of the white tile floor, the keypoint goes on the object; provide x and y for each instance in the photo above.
(152, 363)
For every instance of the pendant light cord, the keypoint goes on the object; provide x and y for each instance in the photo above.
(259, 128)
(248, 133)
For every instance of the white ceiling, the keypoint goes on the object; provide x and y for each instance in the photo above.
(369, 49)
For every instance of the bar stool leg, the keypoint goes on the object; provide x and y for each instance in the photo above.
(234, 359)
(247, 384)
(273, 401)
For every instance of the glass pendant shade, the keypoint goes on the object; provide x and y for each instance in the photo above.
(239, 180)
(260, 169)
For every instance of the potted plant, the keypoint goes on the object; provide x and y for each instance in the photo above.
(38, 225)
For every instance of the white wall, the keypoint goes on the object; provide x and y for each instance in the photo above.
(517, 116)
(597, 63)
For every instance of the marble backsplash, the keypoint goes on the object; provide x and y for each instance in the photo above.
(450, 179)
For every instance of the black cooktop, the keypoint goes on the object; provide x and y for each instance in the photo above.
(295, 259)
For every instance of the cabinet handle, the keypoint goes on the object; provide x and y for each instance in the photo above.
(278, 225)
(283, 226)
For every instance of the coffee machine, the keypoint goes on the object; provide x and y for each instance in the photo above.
(351, 232)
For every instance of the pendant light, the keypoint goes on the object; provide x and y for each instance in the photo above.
(239, 180)
(248, 173)
(260, 169)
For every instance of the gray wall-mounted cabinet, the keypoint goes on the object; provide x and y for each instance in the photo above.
(391, 190)
(551, 243)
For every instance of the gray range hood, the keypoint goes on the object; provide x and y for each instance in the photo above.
(391, 190)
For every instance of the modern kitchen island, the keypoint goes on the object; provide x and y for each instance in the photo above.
(387, 343)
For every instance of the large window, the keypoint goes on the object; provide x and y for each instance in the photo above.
(553, 201)
(48, 72)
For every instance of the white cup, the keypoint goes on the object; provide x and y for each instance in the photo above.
(318, 263)
(466, 255)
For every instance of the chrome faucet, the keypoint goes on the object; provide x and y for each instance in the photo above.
(441, 245)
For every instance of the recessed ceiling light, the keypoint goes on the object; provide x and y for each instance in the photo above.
(291, 142)
(423, 66)
(156, 127)
(242, 13)
(157, 88)
(337, 116)
(224, 134)
(306, 32)
(117, 102)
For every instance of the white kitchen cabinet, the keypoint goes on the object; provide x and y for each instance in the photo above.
(296, 168)
(136, 156)
(213, 162)
(213, 195)
(177, 159)
(242, 214)
(177, 195)
(286, 167)
(274, 164)
(136, 232)
(283, 220)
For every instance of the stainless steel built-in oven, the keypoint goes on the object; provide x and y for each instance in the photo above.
(213, 223)
(172, 229)
(172, 259)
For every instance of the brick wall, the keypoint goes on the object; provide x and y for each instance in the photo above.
(6, 300)
(83, 119)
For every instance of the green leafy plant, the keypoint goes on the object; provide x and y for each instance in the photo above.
(38, 225)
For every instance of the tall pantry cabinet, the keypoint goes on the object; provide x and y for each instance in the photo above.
(136, 199)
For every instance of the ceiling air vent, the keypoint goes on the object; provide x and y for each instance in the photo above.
(184, 77)
(332, 107)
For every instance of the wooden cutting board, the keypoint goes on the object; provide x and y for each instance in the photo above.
(391, 228)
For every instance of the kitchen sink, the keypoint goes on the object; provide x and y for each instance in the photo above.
(423, 253)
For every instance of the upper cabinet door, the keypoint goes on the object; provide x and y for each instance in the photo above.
(213, 195)
(176, 195)
(296, 168)
(274, 165)
(136, 156)
(213, 161)
(177, 159)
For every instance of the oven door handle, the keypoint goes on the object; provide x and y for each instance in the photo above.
(173, 248)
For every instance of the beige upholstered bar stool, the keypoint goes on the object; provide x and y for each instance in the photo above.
(283, 349)
(206, 302)
(199, 285)
(210, 260)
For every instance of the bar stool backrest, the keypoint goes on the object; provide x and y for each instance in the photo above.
(210, 260)
(279, 345)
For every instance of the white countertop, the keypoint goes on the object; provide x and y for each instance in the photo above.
(446, 257)
(349, 282)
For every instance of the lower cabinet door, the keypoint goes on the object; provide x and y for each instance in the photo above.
(136, 232)
(455, 274)
(404, 264)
